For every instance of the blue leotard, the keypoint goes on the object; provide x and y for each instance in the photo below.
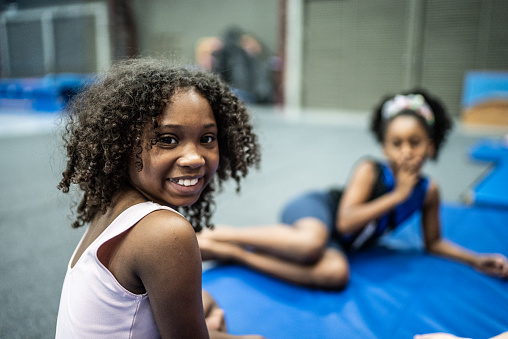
(323, 205)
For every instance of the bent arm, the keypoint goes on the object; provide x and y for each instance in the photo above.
(434, 243)
(492, 264)
(355, 211)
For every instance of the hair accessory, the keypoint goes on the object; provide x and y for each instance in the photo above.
(414, 102)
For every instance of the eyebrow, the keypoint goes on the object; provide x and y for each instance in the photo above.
(210, 125)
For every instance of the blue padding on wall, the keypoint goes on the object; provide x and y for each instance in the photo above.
(481, 86)
(47, 94)
(492, 190)
(393, 293)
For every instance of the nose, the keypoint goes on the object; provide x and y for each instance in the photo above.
(407, 150)
(191, 157)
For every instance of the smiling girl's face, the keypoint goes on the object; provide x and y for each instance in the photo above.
(407, 143)
(186, 153)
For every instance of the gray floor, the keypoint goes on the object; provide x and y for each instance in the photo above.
(300, 151)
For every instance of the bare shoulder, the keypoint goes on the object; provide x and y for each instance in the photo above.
(164, 227)
(365, 171)
(165, 221)
(432, 198)
(163, 237)
(360, 184)
(367, 166)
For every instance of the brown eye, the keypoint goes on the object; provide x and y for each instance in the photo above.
(207, 139)
(396, 143)
(415, 142)
(167, 140)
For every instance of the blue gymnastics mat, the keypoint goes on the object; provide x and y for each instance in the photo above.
(393, 293)
(492, 189)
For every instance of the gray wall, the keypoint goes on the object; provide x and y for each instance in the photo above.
(165, 28)
(174, 26)
(355, 51)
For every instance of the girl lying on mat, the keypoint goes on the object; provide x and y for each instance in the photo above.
(318, 228)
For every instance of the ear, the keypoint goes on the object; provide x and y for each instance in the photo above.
(383, 148)
(431, 149)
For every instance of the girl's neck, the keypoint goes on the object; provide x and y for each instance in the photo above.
(124, 199)
(127, 197)
(121, 201)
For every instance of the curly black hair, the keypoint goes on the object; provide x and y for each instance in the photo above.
(437, 131)
(104, 125)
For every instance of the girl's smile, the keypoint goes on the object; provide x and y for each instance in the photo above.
(187, 186)
(185, 155)
(185, 182)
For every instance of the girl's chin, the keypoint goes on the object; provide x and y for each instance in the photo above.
(183, 201)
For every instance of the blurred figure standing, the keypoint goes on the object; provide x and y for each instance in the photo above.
(239, 62)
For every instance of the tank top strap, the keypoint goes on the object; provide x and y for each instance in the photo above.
(129, 218)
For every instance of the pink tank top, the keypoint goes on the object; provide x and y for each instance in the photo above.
(93, 304)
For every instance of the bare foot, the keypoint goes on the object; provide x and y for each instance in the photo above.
(215, 320)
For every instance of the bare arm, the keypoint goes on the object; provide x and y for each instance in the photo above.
(169, 266)
(163, 253)
(355, 211)
(494, 264)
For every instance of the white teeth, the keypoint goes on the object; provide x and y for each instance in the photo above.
(187, 182)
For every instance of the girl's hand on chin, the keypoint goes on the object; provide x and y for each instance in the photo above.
(407, 178)
(411, 165)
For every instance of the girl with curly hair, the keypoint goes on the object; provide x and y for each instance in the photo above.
(318, 228)
(145, 142)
